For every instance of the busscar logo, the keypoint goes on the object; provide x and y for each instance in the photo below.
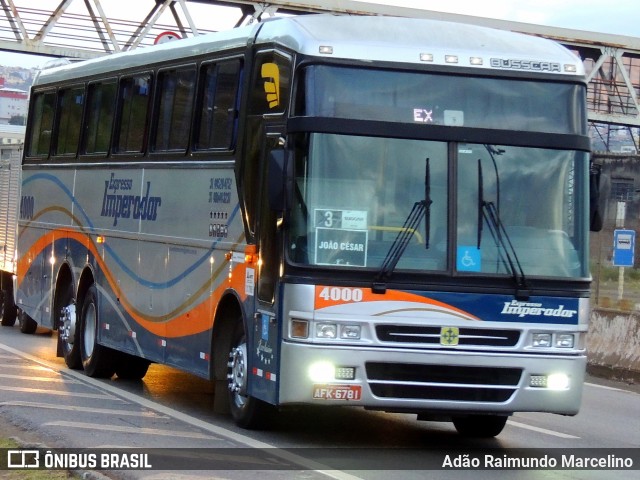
(530, 65)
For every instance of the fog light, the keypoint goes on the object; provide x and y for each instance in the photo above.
(541, 340)
(558, 381)
(345, 373)
(564, 340)
(299, 329)
(322, 372)
(538, 381)
(351, 332)
(326, 330)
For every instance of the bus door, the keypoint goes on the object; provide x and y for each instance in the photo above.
(265, 335)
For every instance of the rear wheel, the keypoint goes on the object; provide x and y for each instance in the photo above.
(8, 309)
(97, 360)
(131, 367)
(247, 411)
(68, 331)
(27, 324)
(480, 426)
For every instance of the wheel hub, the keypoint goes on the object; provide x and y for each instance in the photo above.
(237, 373)
(68, 324)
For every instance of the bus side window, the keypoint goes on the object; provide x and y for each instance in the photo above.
(175, 104)
(134, 96)
(71, 103)
(43, 110)
(217, 120)
(101, 100)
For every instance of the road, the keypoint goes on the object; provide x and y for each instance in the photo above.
(171, 409)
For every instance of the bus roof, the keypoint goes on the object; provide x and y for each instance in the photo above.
(366, 38)
(420, 41)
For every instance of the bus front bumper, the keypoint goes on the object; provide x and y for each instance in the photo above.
(420, 381)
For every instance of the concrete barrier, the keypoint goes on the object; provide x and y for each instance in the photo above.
(613, 345)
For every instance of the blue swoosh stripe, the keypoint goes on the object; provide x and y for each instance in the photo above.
(116, 257)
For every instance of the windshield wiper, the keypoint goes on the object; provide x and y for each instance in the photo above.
(420, 210)
(488, 212)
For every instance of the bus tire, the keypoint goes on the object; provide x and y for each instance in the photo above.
(27, 324)
(68, 332)
(480, 426)
(247, 411)
(8, 310)
(98, 361)
(131, 367)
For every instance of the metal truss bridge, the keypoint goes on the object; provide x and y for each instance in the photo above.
(88, 28)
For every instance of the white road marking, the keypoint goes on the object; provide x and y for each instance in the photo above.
(28, 367)
(188, 419)
(59, 393)
(38, 379)
(540, 430)
(75, 408)
(135, 430)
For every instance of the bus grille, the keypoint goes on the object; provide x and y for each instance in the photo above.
(442, 382)
(477, 337)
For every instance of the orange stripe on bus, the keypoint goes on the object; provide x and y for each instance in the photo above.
(174, 324)
(325, 297)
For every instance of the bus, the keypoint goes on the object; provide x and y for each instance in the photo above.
(389, 213)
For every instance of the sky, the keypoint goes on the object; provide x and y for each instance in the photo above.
(620, 17)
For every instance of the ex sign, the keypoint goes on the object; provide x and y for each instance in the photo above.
(624, 242)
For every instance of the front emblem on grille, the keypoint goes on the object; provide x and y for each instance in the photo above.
(449, 336)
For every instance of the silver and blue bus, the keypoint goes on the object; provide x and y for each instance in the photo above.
(381, 212)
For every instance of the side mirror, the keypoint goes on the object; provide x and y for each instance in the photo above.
(278, 180)
(598, 188)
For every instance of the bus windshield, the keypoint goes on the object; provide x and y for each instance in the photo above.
(353, 194)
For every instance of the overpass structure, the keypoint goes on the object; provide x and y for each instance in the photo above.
(87, 28)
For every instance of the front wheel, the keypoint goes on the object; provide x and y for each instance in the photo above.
(97, 360)
(247, 411)
(480, 426)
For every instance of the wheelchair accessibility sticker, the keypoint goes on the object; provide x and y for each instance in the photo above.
(468, 259)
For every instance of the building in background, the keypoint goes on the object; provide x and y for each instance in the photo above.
(11, 134)
(13, 103)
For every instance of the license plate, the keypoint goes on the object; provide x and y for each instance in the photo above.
(337, 392)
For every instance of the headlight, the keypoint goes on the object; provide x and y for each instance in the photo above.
(553, 340)
(326, 330)
(303, 329)
(350, 332)
(541, 340)
(564, 340)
